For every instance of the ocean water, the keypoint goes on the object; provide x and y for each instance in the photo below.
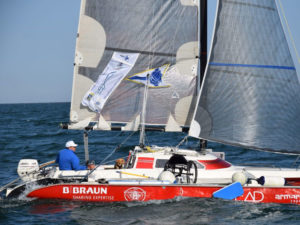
(32, 131)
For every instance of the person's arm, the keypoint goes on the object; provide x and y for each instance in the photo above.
(75, 163)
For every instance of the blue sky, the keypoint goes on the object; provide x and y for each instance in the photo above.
(37, 45)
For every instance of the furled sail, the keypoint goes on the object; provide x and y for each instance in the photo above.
(161, 32)
(251, 94)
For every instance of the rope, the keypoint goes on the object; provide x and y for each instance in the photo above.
(289, 31)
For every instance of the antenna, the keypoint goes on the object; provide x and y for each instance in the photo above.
(202, 35)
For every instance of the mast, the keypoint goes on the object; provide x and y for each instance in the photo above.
(143, 116)
(86, 146)
(202, 37)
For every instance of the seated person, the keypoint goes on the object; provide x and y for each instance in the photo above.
(68, 160)
(119, 163)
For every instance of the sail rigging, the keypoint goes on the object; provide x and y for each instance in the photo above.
(161, 32)
(250, 95)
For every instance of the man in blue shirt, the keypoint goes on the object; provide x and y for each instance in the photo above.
(68, 160)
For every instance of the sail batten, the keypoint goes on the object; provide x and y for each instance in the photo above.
(251, 94)
(249, 4)
(141, 52)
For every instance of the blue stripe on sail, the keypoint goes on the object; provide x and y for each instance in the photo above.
(252, 65)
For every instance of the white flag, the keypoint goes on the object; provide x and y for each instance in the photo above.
(155, 77)
(117, 68)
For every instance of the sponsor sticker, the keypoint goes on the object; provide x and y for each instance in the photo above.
(135, 194)
(255, 196)
(88, 193)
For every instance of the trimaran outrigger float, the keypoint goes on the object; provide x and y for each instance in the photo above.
(249, 97)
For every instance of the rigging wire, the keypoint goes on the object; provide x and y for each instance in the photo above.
(183, 140)
(289, 31)
(119, 146)
(119, 134)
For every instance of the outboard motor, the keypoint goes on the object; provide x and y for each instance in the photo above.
(27, 169)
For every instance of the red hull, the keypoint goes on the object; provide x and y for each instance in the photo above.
(119, 193)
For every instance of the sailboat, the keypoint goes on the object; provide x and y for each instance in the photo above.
(139, 65)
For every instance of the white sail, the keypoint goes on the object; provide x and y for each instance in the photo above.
(161, 32)
(251, 95)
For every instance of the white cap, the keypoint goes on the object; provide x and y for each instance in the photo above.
(71, 144)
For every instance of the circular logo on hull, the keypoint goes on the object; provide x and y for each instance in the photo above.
(135, 194)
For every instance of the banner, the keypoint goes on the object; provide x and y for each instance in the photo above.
(155, 77)
(117, 68)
